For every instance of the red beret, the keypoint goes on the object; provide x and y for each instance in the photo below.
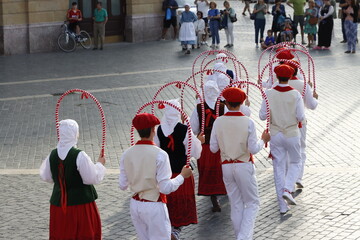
(234, 94)
(145, 120)
(293, 63)
(286, 54)
(284, 70)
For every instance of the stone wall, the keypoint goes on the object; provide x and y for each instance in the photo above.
(29, 26)
(144, 20)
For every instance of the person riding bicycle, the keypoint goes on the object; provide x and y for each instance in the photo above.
(74, 16)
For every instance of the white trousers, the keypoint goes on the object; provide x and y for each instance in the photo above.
(286, 163)
(242, 190)
(151, 220)
(229, 31)
(303, 152)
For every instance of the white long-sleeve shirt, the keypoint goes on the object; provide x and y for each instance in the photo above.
(90, 173)
(300, 113)
(163, 174)
(194, 118)
(254, 145)
(196, 147)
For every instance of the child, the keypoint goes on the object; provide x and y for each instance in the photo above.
(146, 169)
(187, 33)
(286, 34)
(235, 136)
(310, 29)
(73, 211)
(269, 40)
(172, 137)
(200, 28)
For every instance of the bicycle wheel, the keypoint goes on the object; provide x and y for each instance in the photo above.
(85, 39)
(66, 42)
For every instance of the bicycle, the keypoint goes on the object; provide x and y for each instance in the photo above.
(68, 40)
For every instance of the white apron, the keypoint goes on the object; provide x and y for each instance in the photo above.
(187, 32)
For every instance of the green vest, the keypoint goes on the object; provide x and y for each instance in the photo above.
(77, 192)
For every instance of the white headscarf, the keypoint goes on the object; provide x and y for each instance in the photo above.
(220, 55)
(221, 67)
(212, 92)
(171, 118)
(69, 133)
(222, 81)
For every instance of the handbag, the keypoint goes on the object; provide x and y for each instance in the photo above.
(253, 16)
(313, 20)
(233, 19)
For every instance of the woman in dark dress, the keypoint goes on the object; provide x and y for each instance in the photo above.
(326, 24)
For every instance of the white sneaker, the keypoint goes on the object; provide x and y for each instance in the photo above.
(212, 46)
(257, 45)
(217, 46)
(284, 209)
(289, 198)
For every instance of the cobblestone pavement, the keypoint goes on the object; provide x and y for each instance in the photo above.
(123, 77)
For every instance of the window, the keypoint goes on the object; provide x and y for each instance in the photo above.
(87, 9)
(115, 7)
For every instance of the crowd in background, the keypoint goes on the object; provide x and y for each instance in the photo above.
(314, 17)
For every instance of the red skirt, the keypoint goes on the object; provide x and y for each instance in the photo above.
(210, 173)
(81, 222)
(181, 204)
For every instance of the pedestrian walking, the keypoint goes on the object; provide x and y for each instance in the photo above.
(172, 137)
(326, 24)
(100, 19)
(247, 7)
(73, 211)
(298, 6)
(209, 164)
(145, 168)
(234, 134)
(259, 11)
(351, 25)
(214, 18)
(170, 19)
(285, 135)
(187, 34)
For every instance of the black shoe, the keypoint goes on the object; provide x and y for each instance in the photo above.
(101, 48)
(343, 41)
(348, 52)
(227, 45)
(193, 46)
(95, 48)
(231, 45)
(244, 14)
(187, 51)
(353, 52)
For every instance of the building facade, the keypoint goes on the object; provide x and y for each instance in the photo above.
(30, 26)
